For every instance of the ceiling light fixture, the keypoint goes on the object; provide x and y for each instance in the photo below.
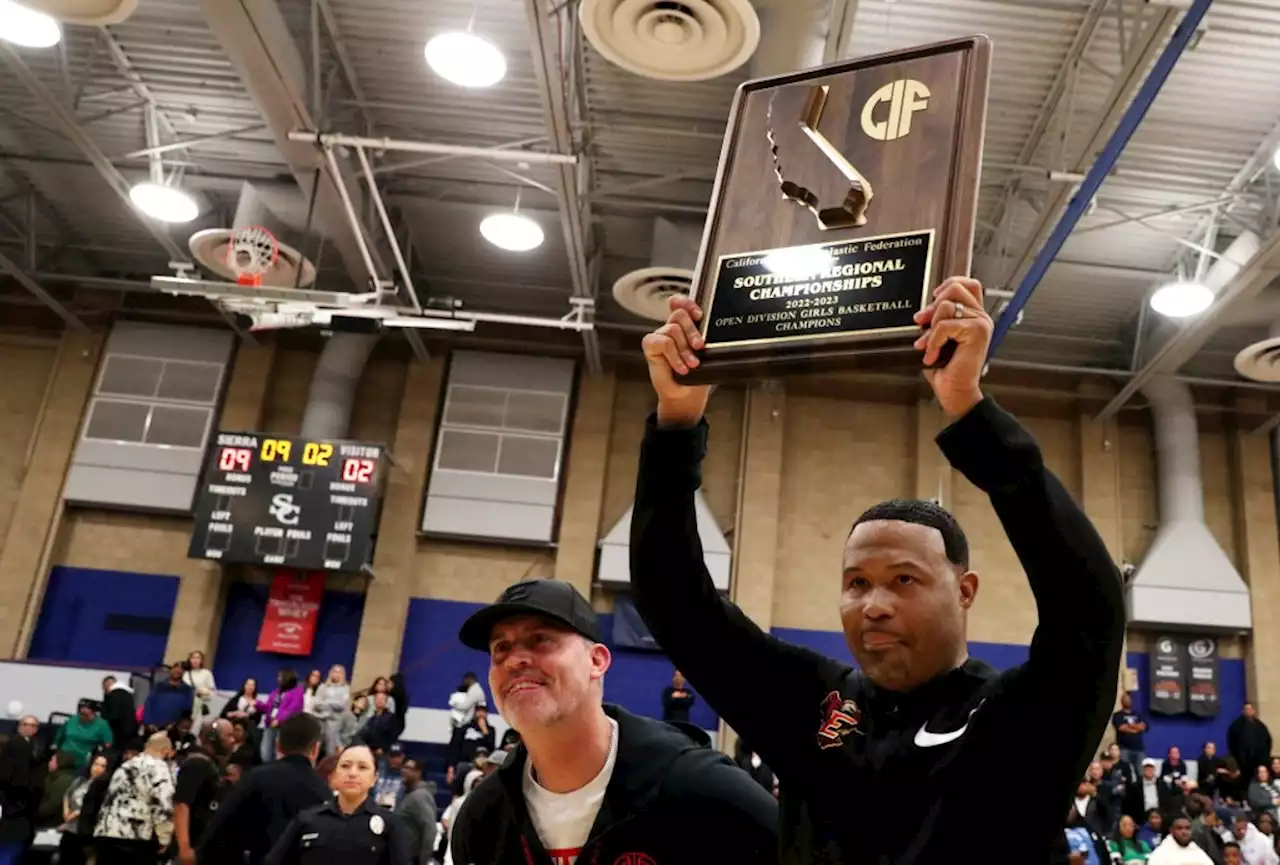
(512, 232)
(165, 203)
(1181, 299)
(466, 59)
(24, 26)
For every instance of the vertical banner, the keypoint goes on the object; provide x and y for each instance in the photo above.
(1168, 677)
(289, 626)
(1202, 673)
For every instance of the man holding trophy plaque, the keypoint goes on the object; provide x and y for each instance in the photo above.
(843, 208)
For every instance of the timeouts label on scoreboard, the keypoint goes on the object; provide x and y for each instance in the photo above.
(291, 501)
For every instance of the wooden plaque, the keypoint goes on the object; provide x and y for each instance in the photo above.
(844, 195)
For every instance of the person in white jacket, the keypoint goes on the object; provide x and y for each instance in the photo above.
(201, 681)
(1255, 847)
(463, 701)
(1178, 848)
(331, 700)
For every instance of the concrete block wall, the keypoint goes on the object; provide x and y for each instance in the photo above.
(812, 460)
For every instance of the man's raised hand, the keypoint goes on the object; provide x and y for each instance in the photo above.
(669, 351)
(956, 313)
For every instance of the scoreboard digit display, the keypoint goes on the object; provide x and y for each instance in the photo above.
(288, 501)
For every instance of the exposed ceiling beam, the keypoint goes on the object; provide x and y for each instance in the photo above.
(575, 214)
(11, 267)
(1259, 272)
(72, 130)
(1059, 87)
(1127, 82)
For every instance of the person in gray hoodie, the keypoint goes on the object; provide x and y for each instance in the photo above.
(332, 700)
(418, 811)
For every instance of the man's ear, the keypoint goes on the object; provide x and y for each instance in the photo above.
(968, 588)
(601, 660)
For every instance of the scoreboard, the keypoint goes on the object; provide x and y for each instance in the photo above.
(289, 501)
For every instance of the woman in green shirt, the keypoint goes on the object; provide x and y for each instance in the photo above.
(1126, 844)
(83, 734)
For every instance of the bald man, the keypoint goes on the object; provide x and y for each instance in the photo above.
(136, 822)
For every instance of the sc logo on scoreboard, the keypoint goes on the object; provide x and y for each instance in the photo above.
(284, 510)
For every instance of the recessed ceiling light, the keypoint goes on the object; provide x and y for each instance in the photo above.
(165, 203)
(24, 26)
(512, 232)
(1181, 299)
(798, 262)
(466, 60)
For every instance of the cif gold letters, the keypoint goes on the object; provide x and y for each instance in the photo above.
(904, 98)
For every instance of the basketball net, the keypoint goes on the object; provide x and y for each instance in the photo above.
(252, 252)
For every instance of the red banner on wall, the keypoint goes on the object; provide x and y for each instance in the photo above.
(289, 627)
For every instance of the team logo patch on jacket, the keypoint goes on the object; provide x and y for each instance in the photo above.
(840, 717)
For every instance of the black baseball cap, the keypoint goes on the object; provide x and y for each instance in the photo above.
(551, 599)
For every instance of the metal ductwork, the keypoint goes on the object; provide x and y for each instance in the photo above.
(793, 36)
(257, 40)
(1185, 580)
(672, 257)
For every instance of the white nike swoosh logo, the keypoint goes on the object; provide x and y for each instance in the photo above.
(925, 739)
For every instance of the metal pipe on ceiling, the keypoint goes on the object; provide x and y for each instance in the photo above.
(326, 139)
(1101, 167)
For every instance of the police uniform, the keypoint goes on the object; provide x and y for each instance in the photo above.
(323, 835)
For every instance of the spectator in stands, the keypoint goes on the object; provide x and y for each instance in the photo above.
(677, 699)
(1206, 828)
(332, 699)
(1176, 777)
(463, 701)
(1233, 785)
(1084, 841)
(23, 766)
(169, 699)
(386, 725)
(199, 788)
(1125, 845)
(350, 720)
(245, 750)
(1267, 825)
(1249, 741)
(1090, 810)
(510, 739)
(1151, 793)
(119, 711)
(1119, 779)
(62, 774)
(381, 685)
(389, 788)
(1231, 854)
(77, 803)
(200, 680)
(136, 820)
(181, 736)
(418, 811)
(1131, 732)
(276, 708)
(1263, 795)
(83, 735)
(1152, 831)
(1178, 848)
(314, 679)
(1209, 768)
(1255, 848)
(259, 809)
(244, 704)
(468, 739)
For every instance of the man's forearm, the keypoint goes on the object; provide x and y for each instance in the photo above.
(182, 828)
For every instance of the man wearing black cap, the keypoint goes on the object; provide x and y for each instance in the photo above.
(884, 763)
(592, 782)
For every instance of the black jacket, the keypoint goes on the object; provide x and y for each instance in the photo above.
(466, 740)
(1249, 741)
(255, 815)
(671, 800)
(121, 715)
(849, 755)
(23, 768)
(323, 835)
(382, 731)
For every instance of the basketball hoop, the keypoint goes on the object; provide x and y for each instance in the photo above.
(251, 253)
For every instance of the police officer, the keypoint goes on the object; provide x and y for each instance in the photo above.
(351, 829)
